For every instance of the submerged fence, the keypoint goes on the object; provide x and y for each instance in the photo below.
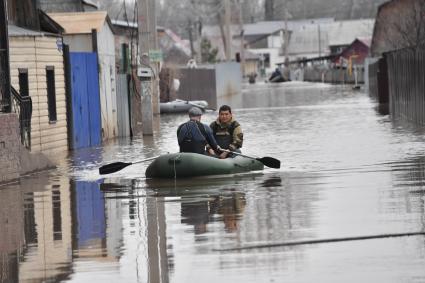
(406, 73)
(335, 76)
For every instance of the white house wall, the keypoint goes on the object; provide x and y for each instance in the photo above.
(275, 41)
(108, 96)
(274, 57)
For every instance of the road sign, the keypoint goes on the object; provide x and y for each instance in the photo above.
(155, 55)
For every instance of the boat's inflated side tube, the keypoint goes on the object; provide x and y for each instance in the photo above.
(183, 165)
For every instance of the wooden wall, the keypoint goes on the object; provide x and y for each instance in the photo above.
(35, 53)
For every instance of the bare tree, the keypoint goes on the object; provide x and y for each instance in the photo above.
(269, 8)
(407, 29)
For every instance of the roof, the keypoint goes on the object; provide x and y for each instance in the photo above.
(263, 28)
(125, 24)
(366, 41)
(305, 40)
(269, 27)
(306, 60)
(18, 31)
(48, 24)
(90, 3)
(344, 32)
(82, 22)
(214, 30)
(178, 42)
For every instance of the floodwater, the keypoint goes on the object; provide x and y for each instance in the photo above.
(350, 178)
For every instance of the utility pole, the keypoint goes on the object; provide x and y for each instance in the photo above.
(242, 51)
(147, 34)
(5, 100)
(190, 29)
(153, 41)
(286, 43)
(320, 43)
(227, 30)
(199, 40)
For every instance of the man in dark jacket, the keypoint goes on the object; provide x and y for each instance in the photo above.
(193, 136)
(227, 131)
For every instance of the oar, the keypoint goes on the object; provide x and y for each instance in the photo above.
(268, 161)
(117, 166)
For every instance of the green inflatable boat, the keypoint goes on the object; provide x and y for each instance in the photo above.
(183, 165)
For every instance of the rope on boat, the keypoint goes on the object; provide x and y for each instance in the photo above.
(320, 241)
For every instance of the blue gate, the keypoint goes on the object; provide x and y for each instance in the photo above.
(86, 123)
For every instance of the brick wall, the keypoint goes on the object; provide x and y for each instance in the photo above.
(9, 147)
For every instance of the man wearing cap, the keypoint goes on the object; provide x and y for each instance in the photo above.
(194, 136)
(227, 131)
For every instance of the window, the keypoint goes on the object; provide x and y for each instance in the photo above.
(51, 93)
(23, 82)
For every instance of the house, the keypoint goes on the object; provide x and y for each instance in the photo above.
(90, 38)
(342, 33)
(355, 54)
(307, 42)
(37, 71)
(399, 24)
(252, 63)
(321, 41)
(266, 40)
(264, 45)
(174, 52)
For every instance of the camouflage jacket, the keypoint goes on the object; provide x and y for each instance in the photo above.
(229, 135)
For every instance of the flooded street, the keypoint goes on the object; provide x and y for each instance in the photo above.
(347, 172)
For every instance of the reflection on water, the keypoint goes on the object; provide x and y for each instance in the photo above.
(347, 171)
(199, 213)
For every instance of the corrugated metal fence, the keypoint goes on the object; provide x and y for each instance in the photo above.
(216, 83)
(406, 72)
(123, 115)
(198, 84)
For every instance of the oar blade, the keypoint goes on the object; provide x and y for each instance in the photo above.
(113, 167)
(270, 162)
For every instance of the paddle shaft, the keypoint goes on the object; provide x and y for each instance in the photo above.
(268, 161)
(237, 153)
(117, 166)
(144, 160)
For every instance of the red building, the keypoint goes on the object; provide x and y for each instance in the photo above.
(357, 51)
